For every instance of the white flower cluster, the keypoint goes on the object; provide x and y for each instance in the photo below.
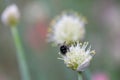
(78, 56)
(10, 15)
(68, 30)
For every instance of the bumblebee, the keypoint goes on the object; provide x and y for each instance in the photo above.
(63, 49)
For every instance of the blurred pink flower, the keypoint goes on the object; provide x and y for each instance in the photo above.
(36, 16)
(36, 36)
(100, 76)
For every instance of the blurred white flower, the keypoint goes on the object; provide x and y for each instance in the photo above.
(10, 15)
(78, 56)
(68, 27)
(36, 11)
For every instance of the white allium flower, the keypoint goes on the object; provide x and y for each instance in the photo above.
(11, 15)
(67, 28)
(78, 56)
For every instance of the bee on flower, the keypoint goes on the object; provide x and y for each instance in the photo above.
(67, 28)
(77, 56)
(10, 15)
(68, 31)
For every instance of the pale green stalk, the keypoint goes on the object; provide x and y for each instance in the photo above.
(87, 74)
(80, 76)
(20, 55)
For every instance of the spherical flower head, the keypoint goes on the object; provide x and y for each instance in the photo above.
(67, 28)
(10, 15)
(78, 56)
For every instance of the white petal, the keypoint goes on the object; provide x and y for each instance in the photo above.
(84, 65)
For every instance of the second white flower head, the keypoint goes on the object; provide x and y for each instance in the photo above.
(11, 15)
(67, 28)
(78, 56)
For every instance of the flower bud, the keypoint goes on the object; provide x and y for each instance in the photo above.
(10, 15)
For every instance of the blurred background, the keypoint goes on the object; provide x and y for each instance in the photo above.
(103, 33)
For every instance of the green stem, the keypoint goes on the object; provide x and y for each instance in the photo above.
(87, 74)
(20, 55)
(80, 76)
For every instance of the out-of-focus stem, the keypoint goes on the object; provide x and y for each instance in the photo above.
(87, 74)
(20, 55)
(80, 76)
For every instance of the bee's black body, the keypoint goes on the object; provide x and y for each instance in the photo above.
(63, 49)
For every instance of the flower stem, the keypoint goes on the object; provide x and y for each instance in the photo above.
(87, 74)
(20, 55)
(80, 76)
